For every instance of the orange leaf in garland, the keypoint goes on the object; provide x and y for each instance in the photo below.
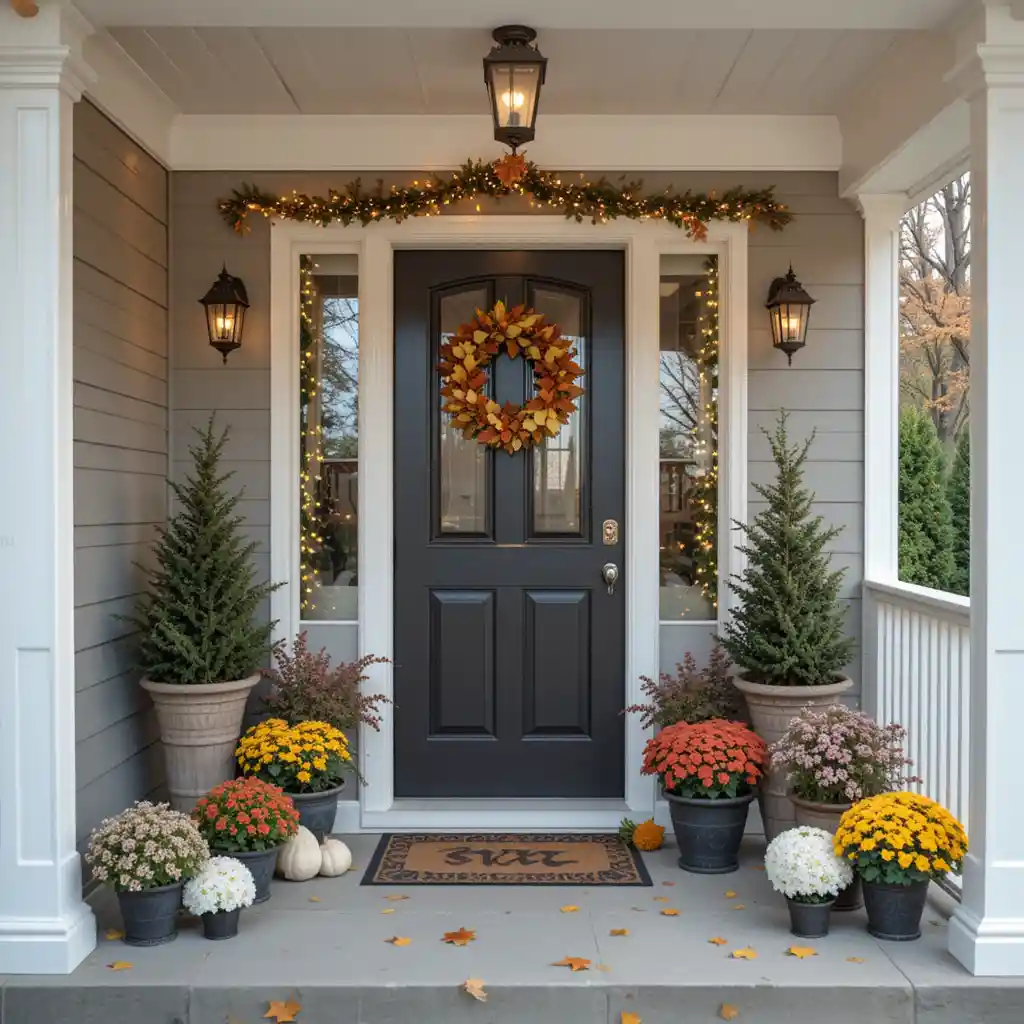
(510, 169)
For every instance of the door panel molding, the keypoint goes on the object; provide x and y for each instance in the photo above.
(374, 245)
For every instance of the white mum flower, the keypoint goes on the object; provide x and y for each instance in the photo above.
(224, 884)
(801, 864)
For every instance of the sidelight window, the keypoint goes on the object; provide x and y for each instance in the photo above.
(328, 439)
(688, 439)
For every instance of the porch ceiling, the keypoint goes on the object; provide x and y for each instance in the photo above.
(381, 71)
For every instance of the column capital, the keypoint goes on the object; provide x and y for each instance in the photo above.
(990, 51)
(882, 207)
(45, 51)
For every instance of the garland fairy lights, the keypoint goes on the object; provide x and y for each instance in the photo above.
(598, 201)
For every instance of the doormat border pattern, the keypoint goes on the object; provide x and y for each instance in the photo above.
(386, 866)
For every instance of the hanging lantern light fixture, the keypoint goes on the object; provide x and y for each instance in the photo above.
(789, 308)
(514, 72)
(225, 304)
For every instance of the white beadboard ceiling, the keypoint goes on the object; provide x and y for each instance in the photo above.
(236, 70)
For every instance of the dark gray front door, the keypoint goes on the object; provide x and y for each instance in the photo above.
(509, 649)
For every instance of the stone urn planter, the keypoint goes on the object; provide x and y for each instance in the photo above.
(771, 709)
(199, 727)
(708, 832)
(826, 816)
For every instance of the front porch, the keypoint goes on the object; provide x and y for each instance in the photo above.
(332, 956)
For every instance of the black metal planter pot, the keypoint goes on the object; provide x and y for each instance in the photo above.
(261, 863)
(708, 832)
(151, 915)
(809, 920)
(317, 810)
(894, 911)
(222, 925)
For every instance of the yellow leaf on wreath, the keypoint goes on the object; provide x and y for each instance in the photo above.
(533, 352)
(470, 363)
(529, 424)
(458, 351)
(513, 331)
(802, 952)
(552, 425)
(728, 1012)
(475, 988)
(471, 397)
(743, 954)
(540, 416)
(480, 337)
(499, 310)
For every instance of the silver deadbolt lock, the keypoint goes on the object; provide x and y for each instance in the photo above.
(610, 574)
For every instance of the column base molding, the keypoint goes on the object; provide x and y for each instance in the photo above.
(46, 945)
(991, 947)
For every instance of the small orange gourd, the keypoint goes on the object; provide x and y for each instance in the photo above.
(648, 835)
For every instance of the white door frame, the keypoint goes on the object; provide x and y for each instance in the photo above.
(374, 246)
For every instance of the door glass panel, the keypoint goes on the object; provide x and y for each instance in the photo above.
(688, 405)
(558, 463)
(463, 463)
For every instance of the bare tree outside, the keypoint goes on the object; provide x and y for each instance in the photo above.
(935, 308)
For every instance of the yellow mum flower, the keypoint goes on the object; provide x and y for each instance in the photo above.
(868, 844)
(905, 859)
(303, 776)
(922, 863)
(888, 855)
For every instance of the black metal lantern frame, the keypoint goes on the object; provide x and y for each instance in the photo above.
(225, 304)
(514, 71)
(789, 308)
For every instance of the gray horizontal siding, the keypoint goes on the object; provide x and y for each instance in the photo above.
(120, 453)
(823, 389)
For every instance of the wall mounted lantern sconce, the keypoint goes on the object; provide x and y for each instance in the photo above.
(225, 304)
(514, 72)
(789, 308)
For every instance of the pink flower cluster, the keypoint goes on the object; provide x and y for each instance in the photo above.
(837, 756)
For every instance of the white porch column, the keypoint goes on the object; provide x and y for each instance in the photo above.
(987, 931)
(44, 925)
(882, 214)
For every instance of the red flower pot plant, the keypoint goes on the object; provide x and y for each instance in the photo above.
(709, 774)
(248, 819)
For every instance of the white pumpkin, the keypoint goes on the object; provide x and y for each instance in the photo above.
(299, 859)
(336, 858)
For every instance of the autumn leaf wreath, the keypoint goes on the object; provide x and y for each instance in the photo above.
(465, 356)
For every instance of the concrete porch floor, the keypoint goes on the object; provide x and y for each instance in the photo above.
(323, 942)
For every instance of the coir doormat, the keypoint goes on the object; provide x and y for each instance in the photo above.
(505, 859)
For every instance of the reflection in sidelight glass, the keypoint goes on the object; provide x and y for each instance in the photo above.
(558, 464)
(688, 436)
(463, 477)
(329, 440)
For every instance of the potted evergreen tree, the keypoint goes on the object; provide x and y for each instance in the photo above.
(202, 646)
(788, 634)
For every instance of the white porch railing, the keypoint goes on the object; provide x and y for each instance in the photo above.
(917, 671)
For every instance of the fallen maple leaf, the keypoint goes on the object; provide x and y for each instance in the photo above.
(746, 953)
(855, 959)
(668, 883)
(460, 938)
(314, 899)
(398, 940)
(475, 988)
(802, 952)
(388, 910)
(661, 899)
(738, 906)
(718, 941)
(569, 909)
(396, 898)
(575, 963)
(728, 1012)
(113, 934)
(120, 965)
(619, 931)
(629, 1018)
(730, 894)
(283, 1012)
(670, 912)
